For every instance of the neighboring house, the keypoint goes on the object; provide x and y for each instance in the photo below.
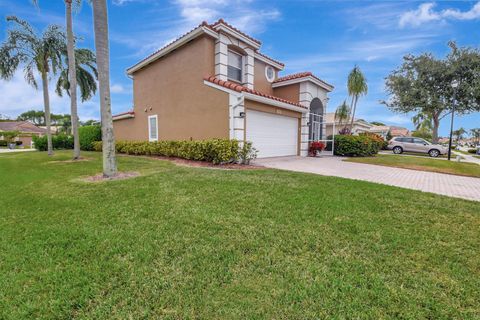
(213, 82)
(26, 129)
(359, 125)
(393, 130)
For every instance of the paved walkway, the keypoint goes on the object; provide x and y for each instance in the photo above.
(2, 150)
(439, 183)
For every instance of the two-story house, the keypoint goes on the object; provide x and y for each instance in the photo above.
(213, 82)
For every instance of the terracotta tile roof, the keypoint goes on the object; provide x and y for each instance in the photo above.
(239, 88)
(221, 21)
(300, 75)
(123, 113)
(22, 126)
(265, 56)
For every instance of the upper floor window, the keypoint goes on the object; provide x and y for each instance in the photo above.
(235, 66)
(269, 73)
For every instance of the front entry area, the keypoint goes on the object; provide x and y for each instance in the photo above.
(271, 134)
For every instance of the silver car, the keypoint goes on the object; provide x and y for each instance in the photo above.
(419, 145)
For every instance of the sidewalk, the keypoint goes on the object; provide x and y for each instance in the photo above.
(439, 183)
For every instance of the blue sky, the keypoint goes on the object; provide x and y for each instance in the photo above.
(325, 37)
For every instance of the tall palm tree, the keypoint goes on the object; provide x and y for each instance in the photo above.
(357, 86)
(100, 22)
(37, 53)
(73, 77)
(459, 133)
(342, 113)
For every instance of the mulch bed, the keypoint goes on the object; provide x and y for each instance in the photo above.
(119, 176)
(202, 164)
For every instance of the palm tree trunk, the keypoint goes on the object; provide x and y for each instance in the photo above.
(46, 103)
(72, 74)
(100, 21)
(354, 109)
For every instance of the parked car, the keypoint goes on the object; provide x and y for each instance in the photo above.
(419, 145)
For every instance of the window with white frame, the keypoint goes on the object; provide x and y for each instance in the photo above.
(235, 66)
(152, 128)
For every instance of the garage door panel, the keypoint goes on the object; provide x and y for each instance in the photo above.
(271, 134)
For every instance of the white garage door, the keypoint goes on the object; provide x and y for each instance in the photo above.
(271, 134)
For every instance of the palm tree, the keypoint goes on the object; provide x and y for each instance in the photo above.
(86, 74)
(73, 77)
(423, 121)
(100, 22)
(342, 113)
(37, 53)
(475, 133)
(357, 86)
(459, 134)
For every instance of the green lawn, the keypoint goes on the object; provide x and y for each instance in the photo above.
(426, 164)
(183, 243)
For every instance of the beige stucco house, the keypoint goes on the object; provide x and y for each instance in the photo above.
(214, 82)
(359, 125)
(25, 129)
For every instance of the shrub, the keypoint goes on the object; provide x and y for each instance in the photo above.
(215, 150)
(60, 141)
(356, 146)
(3, 143)
(472, 151)
(247, 153)
(315, 147)
(89, 135)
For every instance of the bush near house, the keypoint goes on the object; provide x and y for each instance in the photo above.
(59, 141)
(214, 150)
(89, 135)
(472, 151)
(356, 146)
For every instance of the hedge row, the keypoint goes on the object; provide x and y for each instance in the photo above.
(88, 135)
(215, 150)
(357, 146)
(4, 143)
(59, 141)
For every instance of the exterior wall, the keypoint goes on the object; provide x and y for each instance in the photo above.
(254, 105)
(172, 88)
(260, 80)
(290, 92)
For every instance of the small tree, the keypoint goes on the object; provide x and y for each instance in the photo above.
(342, 113)
(9, 136)
(423, 84)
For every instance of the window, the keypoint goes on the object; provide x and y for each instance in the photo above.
(235, 66)
(419, 141)
(270, 73)
(152, 128)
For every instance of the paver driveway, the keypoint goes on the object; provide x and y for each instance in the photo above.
(444, 184)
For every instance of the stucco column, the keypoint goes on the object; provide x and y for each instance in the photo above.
(249, 68)
(236, 122)
(221, 58)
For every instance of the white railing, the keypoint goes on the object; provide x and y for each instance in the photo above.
(318, 132)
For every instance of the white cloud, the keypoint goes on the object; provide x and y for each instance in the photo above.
(425, 13)
(247, 15)
(118, 88)
(18, 97)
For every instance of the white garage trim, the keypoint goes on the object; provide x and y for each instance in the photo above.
(273, 135)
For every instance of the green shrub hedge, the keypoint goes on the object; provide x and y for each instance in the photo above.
(59, 141)
(472, 151)
(3, 143)
(88, 135)
(215, 150)
(357, 146)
